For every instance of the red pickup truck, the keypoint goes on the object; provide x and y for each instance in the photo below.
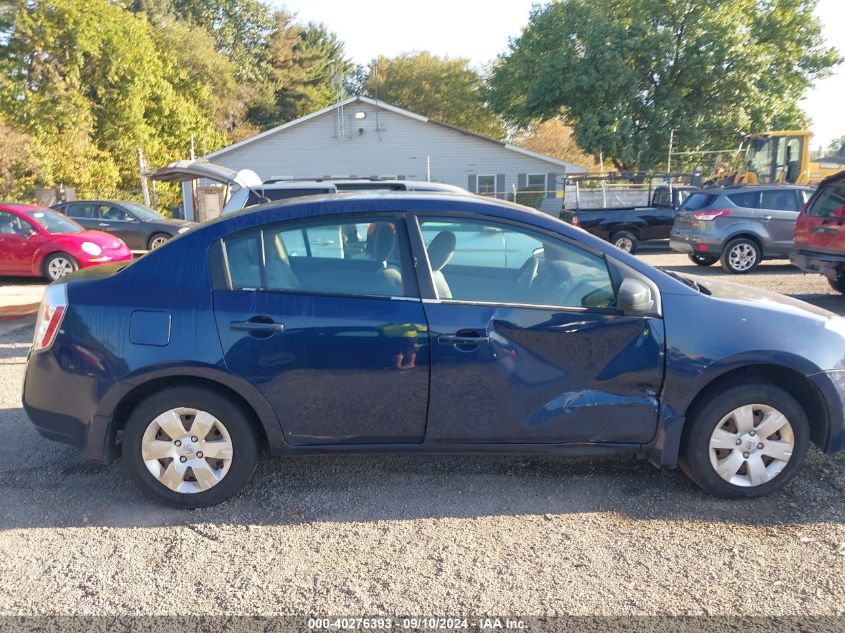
(819, 245)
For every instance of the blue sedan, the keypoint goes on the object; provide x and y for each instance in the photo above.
(412, 322)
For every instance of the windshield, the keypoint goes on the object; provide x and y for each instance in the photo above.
(53, 222)
(143, 213)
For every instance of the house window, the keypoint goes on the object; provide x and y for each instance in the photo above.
(486, 186)
(536, 182)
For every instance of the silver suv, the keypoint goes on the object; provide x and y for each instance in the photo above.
(740, 225)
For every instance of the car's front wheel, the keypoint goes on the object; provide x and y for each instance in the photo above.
(702, 260)
(745, 442)
(741, 256)
(189, 447)
(58, 265)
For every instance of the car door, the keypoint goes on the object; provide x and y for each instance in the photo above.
(540, 356)
(18, 241)
(122, 223)
(85, 213)
(822, 226)
(780, 208)
(334, 336)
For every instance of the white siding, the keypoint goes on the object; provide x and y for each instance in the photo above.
(382, 144)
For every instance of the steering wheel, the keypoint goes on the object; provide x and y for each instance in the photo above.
(528, 272)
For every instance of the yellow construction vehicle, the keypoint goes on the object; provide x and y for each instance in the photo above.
(784, 156)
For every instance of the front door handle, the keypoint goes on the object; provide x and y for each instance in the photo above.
(104, 224)
(457, 339)
(257, 326)
(767, 217)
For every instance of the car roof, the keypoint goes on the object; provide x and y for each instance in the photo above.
(17, 207)
(298, 184)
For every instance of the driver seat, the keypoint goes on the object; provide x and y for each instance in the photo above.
(440, 252)
(552, 279)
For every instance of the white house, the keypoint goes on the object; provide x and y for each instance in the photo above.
(362, 137)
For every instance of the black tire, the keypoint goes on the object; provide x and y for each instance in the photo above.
(838, 282)
(245, 446)
(695, 449)
(626, 241)
(703, 260)
(52, 262)
(156, 240)
(741, 265)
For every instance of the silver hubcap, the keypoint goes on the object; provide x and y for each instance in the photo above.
(158, 241)
(625, 244)
(751, 445)
(742, 257)
(187, 450)
(59, 267)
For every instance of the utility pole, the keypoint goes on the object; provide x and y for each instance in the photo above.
(142, 167)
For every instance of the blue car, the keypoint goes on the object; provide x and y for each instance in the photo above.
(424, 323)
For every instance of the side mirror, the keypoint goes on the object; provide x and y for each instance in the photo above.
(634, 297)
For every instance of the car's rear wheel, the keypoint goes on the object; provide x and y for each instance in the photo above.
(189, 447)
(741, 256)
(747, 441)
(838, 282)
(702, 260)
(626, 241)
(58, 265)
(159, 239)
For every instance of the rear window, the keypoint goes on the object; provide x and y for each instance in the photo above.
(830, 201)
(748, 200)
(698, 201)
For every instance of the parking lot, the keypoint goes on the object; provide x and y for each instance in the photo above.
(394, 535)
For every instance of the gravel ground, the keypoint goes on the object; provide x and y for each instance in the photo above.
(418, 535)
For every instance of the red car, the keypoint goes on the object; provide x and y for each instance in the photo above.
(36, 242)
(819, 245)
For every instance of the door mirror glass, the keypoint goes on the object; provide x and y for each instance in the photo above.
(634, 297)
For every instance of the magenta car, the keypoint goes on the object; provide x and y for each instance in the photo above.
(39, 242)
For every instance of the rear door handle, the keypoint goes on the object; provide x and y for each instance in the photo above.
(767, 217)
(104, 224)
(256, 326)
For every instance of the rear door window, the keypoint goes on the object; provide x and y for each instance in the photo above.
(83, 211)
(780, 200)
(830, 201)
(367, 256)
(699, 201)
(747, 200)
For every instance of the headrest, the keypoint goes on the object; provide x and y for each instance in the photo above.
(384, 240)
(441, 249)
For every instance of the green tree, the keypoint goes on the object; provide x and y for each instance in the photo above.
(624, 73)
(444, 89)
(240, 29)
(835, 146)
(304, 67)
(90, 82)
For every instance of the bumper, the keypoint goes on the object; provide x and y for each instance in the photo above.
(123, 255)
(62, 405)
(827, 264)
(683, 242)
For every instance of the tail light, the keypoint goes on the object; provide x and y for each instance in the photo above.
(50, 315)
(709, 216)
(575, 221)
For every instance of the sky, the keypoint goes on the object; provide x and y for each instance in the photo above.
(480, 29)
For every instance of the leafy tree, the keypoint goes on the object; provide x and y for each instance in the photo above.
(624, 73)
(835, 146)
(240, 29)
(87, 81)
(554, 138)
(303, 65)
(444, 89)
